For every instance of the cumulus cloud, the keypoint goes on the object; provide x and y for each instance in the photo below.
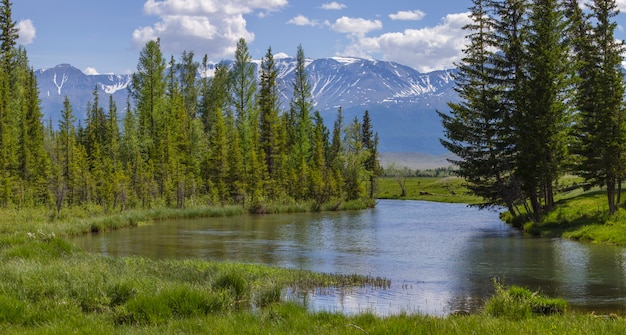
(210, 27)
(27, 32)
(333, 6)
(412, 15)
(302, 20)
(350, 25)
(90, 71)
(621, 4)
(425, 49)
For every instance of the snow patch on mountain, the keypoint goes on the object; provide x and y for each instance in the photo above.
(401, 101)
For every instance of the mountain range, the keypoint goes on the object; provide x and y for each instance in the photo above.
(402, 102)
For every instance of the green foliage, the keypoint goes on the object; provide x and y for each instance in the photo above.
(222, 141)
(234, 284)
(268, 296)
(518, 303)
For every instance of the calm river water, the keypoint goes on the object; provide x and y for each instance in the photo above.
(440, 257)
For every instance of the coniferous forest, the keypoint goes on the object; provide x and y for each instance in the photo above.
(542, 88)
(180, 140)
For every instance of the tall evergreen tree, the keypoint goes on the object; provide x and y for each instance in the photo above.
(270, 140)
(601, 123)
(370, 144)
(301, 106)
(476, 128)
(542, 119)
(9, 33)
(149, 92)
(243, 90)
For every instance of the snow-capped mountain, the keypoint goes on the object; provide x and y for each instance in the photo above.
(401, 101)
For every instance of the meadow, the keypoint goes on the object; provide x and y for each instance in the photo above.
(50, 286)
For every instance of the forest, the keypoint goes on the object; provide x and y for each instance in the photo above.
(181, 139)
(542, 95)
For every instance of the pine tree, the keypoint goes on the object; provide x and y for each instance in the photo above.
(270, 140)
(542, 118)
(149, 92)
(9, 34)
(370, 144)
(477, 128)
(355, 156)
(321, 190)
(301, 106)
(243, 90)
(600, 127)
(336, 159)
(35, 163)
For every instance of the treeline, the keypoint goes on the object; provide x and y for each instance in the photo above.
(179, 139)
(542, 93)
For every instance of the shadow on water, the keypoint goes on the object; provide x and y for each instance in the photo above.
(439, 257)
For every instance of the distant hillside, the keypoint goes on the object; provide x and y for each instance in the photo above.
(401, 101)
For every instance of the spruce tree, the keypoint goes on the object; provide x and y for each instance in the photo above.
(149, 92)
(243, 91)
(476, 128)
(270, 141)
(301, 106)
(9, 34)
(542, 119)
(600, 128)
(370, 144)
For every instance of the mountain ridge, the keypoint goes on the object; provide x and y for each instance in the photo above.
(401, 101)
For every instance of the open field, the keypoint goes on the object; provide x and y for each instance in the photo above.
(446, 189)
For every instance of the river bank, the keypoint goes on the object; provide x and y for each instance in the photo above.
(578, 215)
(48, 285)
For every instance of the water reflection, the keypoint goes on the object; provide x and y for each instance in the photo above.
(440, 257)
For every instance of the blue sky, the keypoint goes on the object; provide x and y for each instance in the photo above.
(107, 36)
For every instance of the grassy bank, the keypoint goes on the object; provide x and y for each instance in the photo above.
(446, 189)
(48, 286)
(580, 215)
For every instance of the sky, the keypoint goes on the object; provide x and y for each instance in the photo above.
(106, 36)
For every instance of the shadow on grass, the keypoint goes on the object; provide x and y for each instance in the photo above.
(571, 214)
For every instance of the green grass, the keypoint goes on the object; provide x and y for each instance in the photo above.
(439, 189)
(580, 215)
(49, 286)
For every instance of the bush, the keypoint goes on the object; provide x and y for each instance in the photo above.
(518, 303)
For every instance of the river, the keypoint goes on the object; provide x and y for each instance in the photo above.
(439, 257)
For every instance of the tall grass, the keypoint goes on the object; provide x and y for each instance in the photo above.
(518, 303)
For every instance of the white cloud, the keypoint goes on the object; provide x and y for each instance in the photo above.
(412, 15)
(27, 32)
(90, 71)
(350, 25)
(210, 27)
(302, 20)
(425, 49)
(333, 6)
